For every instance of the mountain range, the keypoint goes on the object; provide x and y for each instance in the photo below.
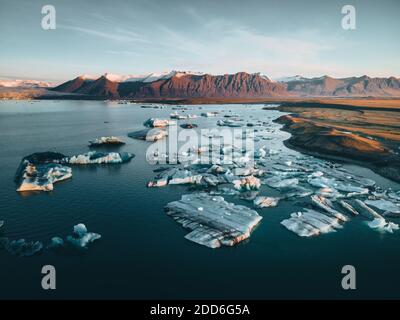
(187, 85)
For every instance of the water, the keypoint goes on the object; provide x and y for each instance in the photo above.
(143, 253)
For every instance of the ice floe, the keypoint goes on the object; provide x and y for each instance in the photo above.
(42, 177)
(111, 140)
(21, 247)
(247, 183)
(96, 157)
(81, 238)
(38, 172)
(266, 202)
(311, 223)
(384, 205)
(154, 122)
(213, 221)
(149, 134)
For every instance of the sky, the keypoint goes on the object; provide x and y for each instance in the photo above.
(277, 38)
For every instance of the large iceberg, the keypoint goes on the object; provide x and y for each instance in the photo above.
(37, 172)
(213, 221)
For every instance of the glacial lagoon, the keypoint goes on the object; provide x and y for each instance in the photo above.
(143, 253)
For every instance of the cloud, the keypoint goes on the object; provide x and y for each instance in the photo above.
(220, 46)
(119, 34)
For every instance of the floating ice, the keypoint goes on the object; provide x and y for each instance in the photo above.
(21, 247)
(327, 206)
(265, 202)
(383, 225)
(106, 141)
(247, 183)
(228, 123)
(55, 242)
(324, 182)
(175, 176)
(384, 205)
(95, 157)
(277, 182)
(38, 172)
(149, 134)
(311, 223)
(154, 122)
(367, 211)
(218, 223)
(81, 237)
(209, 114)
(348, 207)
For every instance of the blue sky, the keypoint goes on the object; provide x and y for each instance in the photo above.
(276, 38)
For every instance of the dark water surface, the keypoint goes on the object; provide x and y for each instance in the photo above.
(142, 252)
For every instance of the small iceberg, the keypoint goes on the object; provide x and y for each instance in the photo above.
(385, 205)
(175, 176)
(155, 123)
(81, 237)
(326, 205)
(213, 221)
(247, 183)
(95, 157)
(311, 223)
(188, 126)
(209, 114)
(106, 141)
(266, 202)
(279, 183)
(381, 224)
(21, 247)
(151, 135)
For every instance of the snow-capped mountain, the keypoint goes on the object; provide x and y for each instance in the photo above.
(25, 84)
(289, 79)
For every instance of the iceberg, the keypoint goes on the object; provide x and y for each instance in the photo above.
(278, 183)
(175, 176)
(247, 183)
(381, 224)
(323, 182)
(149, 134)
(154, 123)
(38, 172)
(95, 157)
(106, 141)
(348, 207)
(311, 223)
(228, 123)
(55, 242)
(384, 205)
(266, 202)
(213, 221)
(367, 211)
(21, 247)
(188, 126)
(326, 205)
(177, 116)
(81, 237)
(209, 114)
